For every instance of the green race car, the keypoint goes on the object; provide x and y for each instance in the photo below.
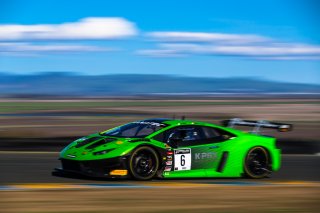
(169, 148)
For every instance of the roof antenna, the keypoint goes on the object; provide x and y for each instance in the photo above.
(183, 117)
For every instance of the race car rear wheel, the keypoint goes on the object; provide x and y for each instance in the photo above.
(257, 163)
(144, 163)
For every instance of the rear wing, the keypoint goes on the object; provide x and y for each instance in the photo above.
(257, 125)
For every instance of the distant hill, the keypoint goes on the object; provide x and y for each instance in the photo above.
(71, 84)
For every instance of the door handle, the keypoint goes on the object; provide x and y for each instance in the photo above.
(213, 147)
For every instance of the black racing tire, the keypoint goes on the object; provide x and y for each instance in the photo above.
(257, 163)
(143, 163)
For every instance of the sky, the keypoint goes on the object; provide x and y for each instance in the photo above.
(276, 40)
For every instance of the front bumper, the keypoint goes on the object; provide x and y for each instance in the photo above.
(94, 168)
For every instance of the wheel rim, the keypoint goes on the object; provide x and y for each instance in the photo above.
(258, 162)
(144, 163)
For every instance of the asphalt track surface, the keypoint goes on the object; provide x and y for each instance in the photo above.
(36, 167)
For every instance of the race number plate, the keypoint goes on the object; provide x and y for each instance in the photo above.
(182, 159)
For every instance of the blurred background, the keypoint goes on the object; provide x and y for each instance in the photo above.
(72, 68)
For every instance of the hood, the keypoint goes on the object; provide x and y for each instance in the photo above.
(97, 146)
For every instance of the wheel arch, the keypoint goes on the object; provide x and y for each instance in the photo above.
(266, 150)
(255, 146)
(157, 151)
(160, 151)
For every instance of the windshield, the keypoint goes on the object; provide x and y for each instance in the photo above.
(139, 129)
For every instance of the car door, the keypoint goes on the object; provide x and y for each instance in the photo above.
(200, 148)
(189, 137)
(211, 151)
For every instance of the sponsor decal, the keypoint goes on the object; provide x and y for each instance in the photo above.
(169, 157)
(169, 163)
(182, 151)
(148, 123)
(167, 168)
(71, 156)
(169, 153)
(205, 155)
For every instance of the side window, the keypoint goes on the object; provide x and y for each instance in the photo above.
(194, 135)
(187, 135)
(216, 135)
(210, 132)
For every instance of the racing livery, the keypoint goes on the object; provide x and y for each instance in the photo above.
(169, 148)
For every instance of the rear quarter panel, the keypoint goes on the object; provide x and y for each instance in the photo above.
(238, 148)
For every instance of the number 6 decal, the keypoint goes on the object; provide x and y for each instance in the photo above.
(183, 162)
(182, 159)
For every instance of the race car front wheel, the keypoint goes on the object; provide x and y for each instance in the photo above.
(144, 163)
(257, 163)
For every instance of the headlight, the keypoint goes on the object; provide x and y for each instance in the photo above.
(103, 152)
